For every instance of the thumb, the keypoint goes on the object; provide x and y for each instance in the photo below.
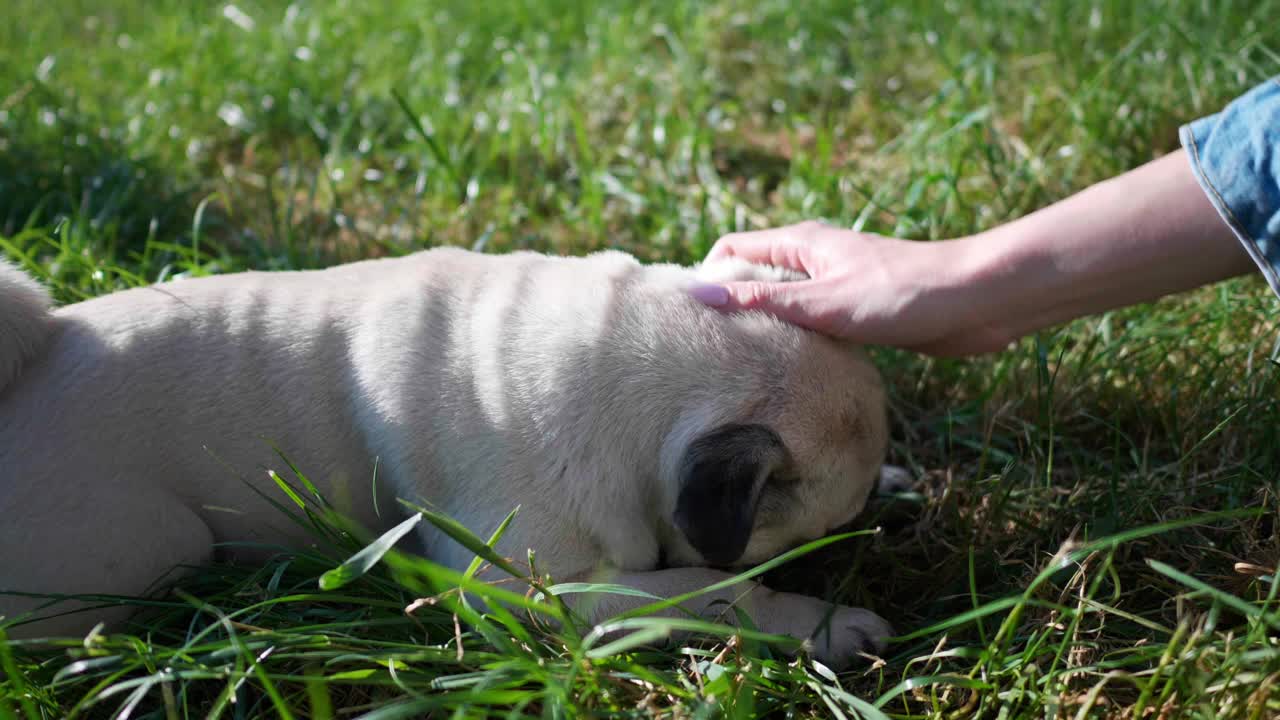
(805, 303)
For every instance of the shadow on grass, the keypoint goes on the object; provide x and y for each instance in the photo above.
(71, 174)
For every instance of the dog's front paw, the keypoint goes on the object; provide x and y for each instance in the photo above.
(837, 636)
(852, 633)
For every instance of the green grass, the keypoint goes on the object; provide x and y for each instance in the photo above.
(1095, 533)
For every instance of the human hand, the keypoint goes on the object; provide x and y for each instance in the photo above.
(866, 288)
(1134, 238)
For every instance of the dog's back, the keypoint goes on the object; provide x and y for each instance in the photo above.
(24, 320)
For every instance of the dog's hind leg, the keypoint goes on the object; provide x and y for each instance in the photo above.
(96, 542)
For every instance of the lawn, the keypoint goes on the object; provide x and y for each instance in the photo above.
(1094, 533)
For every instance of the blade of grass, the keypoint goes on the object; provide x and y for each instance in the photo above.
(360, 563)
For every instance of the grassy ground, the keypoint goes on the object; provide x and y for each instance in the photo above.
(1094, 534)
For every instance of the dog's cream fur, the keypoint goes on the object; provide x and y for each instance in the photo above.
(589, 391)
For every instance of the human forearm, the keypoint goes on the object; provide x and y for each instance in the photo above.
(1137, 237)
(1142, 235)
(1204, 214)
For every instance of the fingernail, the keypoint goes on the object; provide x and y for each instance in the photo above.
(709, 294)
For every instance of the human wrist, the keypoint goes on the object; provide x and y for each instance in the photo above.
(1130, 239)
(980, 280)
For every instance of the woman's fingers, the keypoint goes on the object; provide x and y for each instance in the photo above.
(787, 246)
(807, 303)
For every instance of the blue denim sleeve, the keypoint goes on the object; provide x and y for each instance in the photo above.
(1235, 155)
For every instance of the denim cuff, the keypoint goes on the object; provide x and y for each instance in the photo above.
(1235, 155)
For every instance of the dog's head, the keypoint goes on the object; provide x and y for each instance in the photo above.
(788, 450)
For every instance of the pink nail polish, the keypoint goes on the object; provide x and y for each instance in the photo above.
(709, 294)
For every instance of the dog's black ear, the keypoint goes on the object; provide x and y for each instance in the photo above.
(720, 477)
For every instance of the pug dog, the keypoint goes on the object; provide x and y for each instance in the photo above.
(638, 431)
